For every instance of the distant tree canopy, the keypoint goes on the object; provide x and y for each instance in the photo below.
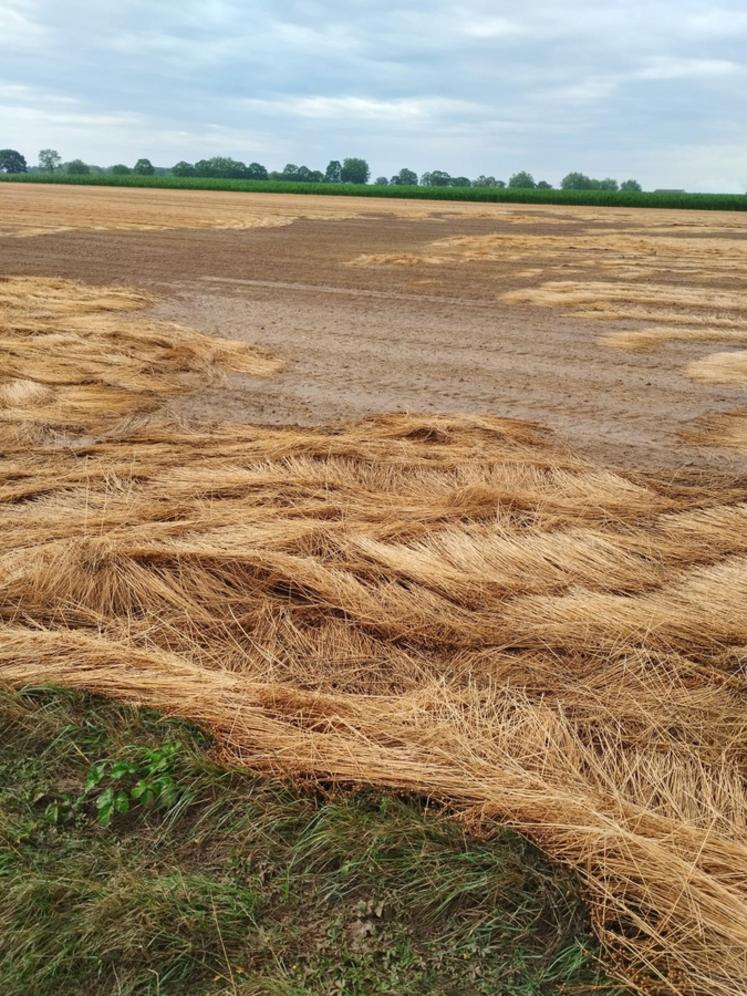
(522, 179)
(405, 178)
(382, 181)
(144, 167)
(333, 173)
(436, 178)
(12, 162)
(576, 181)
(220, 166)
(440, 178)
(50, 160)
(256, 171)
(76, 167)
(355, 171)
(183, 169)
(298, 174)
(579, 181)
(350, 170)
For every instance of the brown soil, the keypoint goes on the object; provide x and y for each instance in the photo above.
(365, 339)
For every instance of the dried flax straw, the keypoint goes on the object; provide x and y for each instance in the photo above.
(452, 606)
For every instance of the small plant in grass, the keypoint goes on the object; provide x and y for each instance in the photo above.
(141, 777)
(146, 779)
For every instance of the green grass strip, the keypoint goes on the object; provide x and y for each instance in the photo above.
(216, 882)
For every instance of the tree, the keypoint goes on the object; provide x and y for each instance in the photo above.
(382, 181)
(12, 162)
(183, 168)
(143, 167)
(522, 179)
(484, 181)
(460, 181)
(76, 167)
(333, 173)
(544, 185)
(227, 168)
(576, 181)
(219, 166)
(50, 160)
(406, 178)
(436, 178)
(256, 171)
(608, 184)
(355, 171)
(631, 186)
(119, 169)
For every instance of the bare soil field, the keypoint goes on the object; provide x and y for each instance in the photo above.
(295, 484)
(596, 323)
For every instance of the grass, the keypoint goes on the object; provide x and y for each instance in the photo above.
(244, 885)
(601, 198)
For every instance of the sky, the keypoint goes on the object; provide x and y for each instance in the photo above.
(656, 90)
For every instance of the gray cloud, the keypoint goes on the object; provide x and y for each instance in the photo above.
(655, 89)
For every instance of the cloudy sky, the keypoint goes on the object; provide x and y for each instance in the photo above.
(654, 90)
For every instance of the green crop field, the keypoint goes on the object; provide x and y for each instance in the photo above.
(600, 198)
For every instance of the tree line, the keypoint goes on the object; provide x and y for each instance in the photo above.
(350, 170)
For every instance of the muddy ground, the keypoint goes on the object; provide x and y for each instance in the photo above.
(360, 340)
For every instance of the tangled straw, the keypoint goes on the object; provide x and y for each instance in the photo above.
(453, 606)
